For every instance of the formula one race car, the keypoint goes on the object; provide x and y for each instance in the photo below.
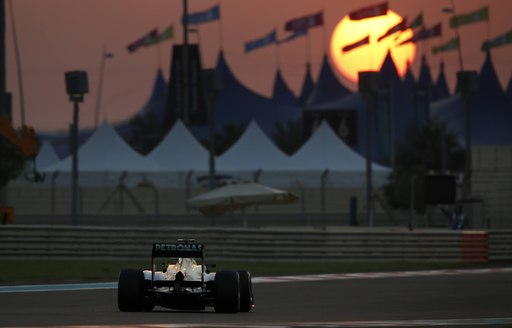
(184, 284)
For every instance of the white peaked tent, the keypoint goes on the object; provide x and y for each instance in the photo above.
(326, 151)
(47, 156)
(182, 158)
(104, 157)
(254, 154)
(180, 151)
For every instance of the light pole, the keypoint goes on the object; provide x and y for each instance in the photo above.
(369, 88)
(76, 86)
(467, 84)
(104, 55)
(212, 85)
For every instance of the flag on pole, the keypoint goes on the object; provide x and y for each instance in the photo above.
(203, 16)
(305, 22)
(369, 11)
(498, 41)
(293, 36)
(261, 42)
(362, 42)
(167, 34)
(417, 22)
(424, 34)
(400, 26)
(472, 17)
(453, 44)
(132, 47)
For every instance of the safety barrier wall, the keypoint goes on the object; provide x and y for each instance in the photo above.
(358, 244)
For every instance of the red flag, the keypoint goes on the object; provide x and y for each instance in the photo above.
(370, 11)
(401, 26)
(143, 40)
(305, 23)
(428, 33)
(359, 43)
(424, 34)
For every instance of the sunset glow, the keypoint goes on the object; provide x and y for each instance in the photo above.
(369, 57)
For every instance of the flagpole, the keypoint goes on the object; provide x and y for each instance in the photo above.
(221, 38)
(104, 56)
(324, 29)
(308, 47)
(159, 56)
(461, 64)
(18, 64)
(488, 22)
(278, 57)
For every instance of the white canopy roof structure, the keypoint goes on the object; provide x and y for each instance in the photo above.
(106, 151)
(254, 151)
(47, 156)
(326, 151)
(180, 151)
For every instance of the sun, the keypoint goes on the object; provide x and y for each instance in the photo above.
(369, 57)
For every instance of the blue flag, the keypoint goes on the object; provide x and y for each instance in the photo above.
(203, 16)
(293, 36)
(261, 42)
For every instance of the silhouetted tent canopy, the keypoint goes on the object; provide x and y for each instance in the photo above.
(409, 80)
(425, 78)
(401, 99)
(440, 89)
(180, 151)
(107, 156)
(324, 150)
(237, 104)
(254, 151)
(490, 109)
(307, 86)
(328, 87)
(281, 92)
(509, 90)
(154, 109)
(47, 156)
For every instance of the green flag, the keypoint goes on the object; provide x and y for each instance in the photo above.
(498, 41)
(417, 22)
(167, 34)
(450, 45)
(469, 18)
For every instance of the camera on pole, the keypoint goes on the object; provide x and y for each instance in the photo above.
(76, 87)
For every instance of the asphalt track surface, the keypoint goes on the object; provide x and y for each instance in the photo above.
(454, 300)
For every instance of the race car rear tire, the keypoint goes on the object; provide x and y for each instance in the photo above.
(246, 297)
(130, 291)
(227, 292)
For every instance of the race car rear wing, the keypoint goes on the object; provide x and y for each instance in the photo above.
(186, 248)
(179, 249)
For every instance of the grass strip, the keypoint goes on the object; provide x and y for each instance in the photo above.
(14, 272)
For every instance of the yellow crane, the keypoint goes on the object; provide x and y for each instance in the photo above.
(26, 146)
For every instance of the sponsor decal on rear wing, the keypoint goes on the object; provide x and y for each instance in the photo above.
(187, 250)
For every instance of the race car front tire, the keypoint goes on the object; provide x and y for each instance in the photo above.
(246, 297)
(130, 292)
(227, 292)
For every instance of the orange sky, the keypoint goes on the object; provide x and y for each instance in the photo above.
(56, 36)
